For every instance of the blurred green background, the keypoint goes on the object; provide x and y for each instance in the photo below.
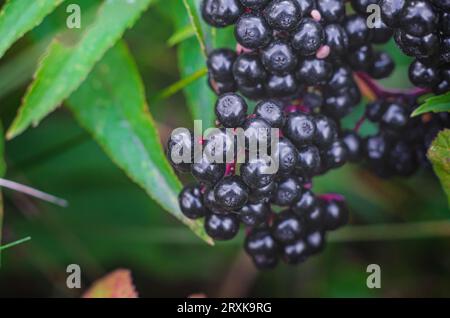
(402, 225)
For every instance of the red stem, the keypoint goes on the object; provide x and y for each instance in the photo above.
(332, 197)
(382, 92)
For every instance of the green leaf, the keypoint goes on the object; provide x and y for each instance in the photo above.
(111, 106)
(15, 243)
(439, 155)
(20, 16)
(434, 104)
(63, 69)
(182, 34)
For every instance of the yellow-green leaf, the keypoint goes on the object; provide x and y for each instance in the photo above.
(111, 106)
(20, 16)
(63, 69)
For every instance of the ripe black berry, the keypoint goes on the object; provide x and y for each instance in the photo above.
(271, 111)
(358, 32)
(395, 116)
(335, 156)
(326, 131)
(231, 193)
(281, 85)
(361, 59)
(337, 39)
(305, 204)
(248, 69)
(422, 75)
(300, 128)
(295, 253)
(308, 160)
(287, 228)
(191, 202)
(283, 15)
(256, 174)
(221, 227)
(254, 214)
(391, 11)
(220, 64)
(312, 71)
(287, 155)
(278, 58)
(308, 37)
(208, 172)
(331, 10)
(252, 31)
(180, 150)
(418, 18)
(353, 143)
(382, 65)
(221, 13)
(315, 241)
(335, 214)
(287, 192)
(231, 110)
(261, 242)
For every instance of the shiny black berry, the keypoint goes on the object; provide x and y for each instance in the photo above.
(287, 192)
(422, 75)
(257, 173)
(335, 156)
(354, 145)
(300, 128)
(308, 37)
(391, 11)
(254, 4)
(335, 214)
(208, 172)
(278, 58)
(231, 193)
(271, 111)
(287, 156)
(309, 161)
(254, 214)
(332, 11)
(281, 85)
(305, 204)
(295, 253)
(231, 110)
(191, 202)
(337, 39)
(221, 13)
(248, 69)
(260, 242)
(358, 32)
(382, 65)
(221, 227)
(252, 31)
(180, 149)
(283, 15)
(220, 64)
(326, 132)
(287, 228)
(312, 71)
(418, 18)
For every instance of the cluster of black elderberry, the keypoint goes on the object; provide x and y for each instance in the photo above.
(400, 146)
(422, 30)
(309, 145)
(299, 59)
(290, 46)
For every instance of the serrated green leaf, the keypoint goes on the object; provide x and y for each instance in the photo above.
(439, 155)
(20, 16)
(63, 68)
(111, 106)
(435, 104)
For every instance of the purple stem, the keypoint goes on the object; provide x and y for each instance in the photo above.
(382, 92)
(332, 197)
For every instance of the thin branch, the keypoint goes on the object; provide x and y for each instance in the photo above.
(33, 192)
